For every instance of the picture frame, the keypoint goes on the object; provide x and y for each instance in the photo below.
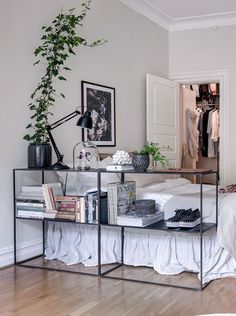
(99, 100)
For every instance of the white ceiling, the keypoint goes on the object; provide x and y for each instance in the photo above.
(186, 14)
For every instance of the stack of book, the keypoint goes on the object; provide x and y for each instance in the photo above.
(69, 207)
(31, 192)
(49, 191)
(121, 199)
(92, 207)
(36, 201)
(30, 209)
(140, 220)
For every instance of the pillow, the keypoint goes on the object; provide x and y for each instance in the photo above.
(169, 184)
(144, 180)
(88, 180)
(78, 183)
(68, 180)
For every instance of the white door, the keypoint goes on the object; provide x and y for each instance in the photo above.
(163, 116)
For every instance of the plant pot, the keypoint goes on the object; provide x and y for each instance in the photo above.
(39, 156)
(140, 162)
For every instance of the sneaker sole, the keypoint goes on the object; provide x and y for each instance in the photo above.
(172, 224)
(190, 224)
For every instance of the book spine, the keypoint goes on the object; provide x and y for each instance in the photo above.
(65, 198)
(77, 211)
(46, 197)
(51, 198)
(29, 204)
(31, 189)
(82, 210)
(30, 213)
(27, 209)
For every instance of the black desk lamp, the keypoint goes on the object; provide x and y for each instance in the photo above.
(84, 121)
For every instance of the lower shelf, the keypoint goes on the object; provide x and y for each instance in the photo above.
(161, 225)
(188, 280)
(56, 265)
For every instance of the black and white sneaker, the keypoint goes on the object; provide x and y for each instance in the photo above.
(190, 220)
(175, 220)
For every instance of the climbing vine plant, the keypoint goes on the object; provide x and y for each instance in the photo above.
(59, 41)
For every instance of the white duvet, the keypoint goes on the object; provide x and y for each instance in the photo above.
(180, 193)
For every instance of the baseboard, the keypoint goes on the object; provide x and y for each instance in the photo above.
(24, 250)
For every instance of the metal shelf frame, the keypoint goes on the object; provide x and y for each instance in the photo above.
(200, 229)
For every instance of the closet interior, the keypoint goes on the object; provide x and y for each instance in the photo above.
(201, 127)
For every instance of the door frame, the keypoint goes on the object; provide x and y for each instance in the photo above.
(221, 76)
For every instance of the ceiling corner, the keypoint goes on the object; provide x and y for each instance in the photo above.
(149, 11)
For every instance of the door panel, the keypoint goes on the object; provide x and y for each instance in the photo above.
(163, 116)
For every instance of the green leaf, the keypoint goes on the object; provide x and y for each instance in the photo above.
(48, 29)
(62, 78)
(27, 137)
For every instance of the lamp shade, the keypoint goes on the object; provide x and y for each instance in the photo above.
(85, 120)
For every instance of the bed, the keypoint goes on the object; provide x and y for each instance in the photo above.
(166, 253)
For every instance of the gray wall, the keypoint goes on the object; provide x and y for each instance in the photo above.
(209, 49)
(135, 47)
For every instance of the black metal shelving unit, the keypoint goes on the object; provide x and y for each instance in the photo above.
(159, 226)
(44, 221)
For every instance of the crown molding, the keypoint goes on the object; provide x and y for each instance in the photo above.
(146, 8)
(200, 22)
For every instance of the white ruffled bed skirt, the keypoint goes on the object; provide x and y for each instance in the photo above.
(167, 253)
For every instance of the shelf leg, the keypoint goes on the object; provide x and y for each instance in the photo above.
(201, 233)
(122, 245)
(99, 222)
(14, 206)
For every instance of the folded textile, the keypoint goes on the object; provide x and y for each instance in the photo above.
(228, 188)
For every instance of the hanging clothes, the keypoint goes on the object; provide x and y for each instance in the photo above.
(203, 136)
(215, 134)
(213, 88)
(211, 144)
(192, 133)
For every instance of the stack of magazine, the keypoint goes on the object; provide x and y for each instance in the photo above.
(121, 199)
(140, 220)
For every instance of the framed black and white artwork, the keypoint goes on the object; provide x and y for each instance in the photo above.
(100, 102)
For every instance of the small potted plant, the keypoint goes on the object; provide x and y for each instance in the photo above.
(141, 159)
(58, 43)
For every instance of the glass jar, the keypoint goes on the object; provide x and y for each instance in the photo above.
(85, 156)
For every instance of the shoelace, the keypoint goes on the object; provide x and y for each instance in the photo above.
(192, 216)
(179, 214)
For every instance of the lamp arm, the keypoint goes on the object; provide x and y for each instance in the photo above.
(57, 152)
(63, 120)
(49, 128)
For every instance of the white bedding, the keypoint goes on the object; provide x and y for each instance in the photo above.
(180, 193)
(166, 253)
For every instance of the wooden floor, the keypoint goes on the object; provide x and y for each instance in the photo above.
(35, 292)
